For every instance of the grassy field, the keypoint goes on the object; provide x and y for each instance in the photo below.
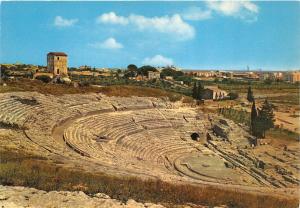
(114, 90)
(29, 170)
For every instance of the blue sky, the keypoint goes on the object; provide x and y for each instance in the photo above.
(191, 35)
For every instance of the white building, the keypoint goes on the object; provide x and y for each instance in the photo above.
(153, 75)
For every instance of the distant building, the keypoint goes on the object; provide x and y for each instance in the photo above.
(240, 75)
(169, 78)
(140, 78)
(229, 75)
(153, 75)
(264, 76)
(85, 67)
(292, 76)
(205, 73)
(57, 63)
(213, 93)
(278, 75)
(85, 73)
(270, 75)
(252, 75)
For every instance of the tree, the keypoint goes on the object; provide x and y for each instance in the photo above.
(131, 71)
(233, 95)
(44, 78)
(186, 79)
(262, 120)
(268, 81)
(144, 70)
(254, 121)
(195, 90)
(250, 96)
(132, 67)
(168, 71)
(266, 116)
(200, 91)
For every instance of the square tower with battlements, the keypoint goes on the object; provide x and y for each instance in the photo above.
(57, 63)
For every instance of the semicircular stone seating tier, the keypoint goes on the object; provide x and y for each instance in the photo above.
(154, 135)
(38, 114)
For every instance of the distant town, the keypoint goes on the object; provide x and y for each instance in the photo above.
(57, 65)
(170, 78)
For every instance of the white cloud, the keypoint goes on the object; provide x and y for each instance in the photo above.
(112, 18)
(61, 22)
(109, 43)
(158, 60)
(242, 9)
(172, 25)
(196, 13)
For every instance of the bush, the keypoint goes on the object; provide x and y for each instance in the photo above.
(84, 84)
(44, 78)
(233, 95)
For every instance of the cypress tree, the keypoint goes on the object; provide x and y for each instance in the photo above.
(194, 93)
(253, 120)
(266, 116)
(250, 96)
(200, 89)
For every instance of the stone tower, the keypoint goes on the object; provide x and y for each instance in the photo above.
(57, 63)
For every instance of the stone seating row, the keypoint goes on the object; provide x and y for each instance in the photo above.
(16, 112)
(83, 142)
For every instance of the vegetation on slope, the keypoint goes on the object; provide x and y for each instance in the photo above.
(113, 90)
(243, 117)
(28, 170)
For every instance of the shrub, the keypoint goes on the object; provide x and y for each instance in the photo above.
(44, 78)
(84, 84)
(233, 95)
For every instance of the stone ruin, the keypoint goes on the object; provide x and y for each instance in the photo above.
(144, 137)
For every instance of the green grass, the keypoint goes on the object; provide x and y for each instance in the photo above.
(28, 170)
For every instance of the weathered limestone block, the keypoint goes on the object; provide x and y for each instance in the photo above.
(221, 130)
(224, 122)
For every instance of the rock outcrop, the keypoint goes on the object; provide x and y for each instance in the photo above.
(19, 197)
(221, 130)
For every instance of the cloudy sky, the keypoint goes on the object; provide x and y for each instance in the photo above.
(191, 35)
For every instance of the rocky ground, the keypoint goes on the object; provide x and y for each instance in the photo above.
(29, 197)
(19, 197)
